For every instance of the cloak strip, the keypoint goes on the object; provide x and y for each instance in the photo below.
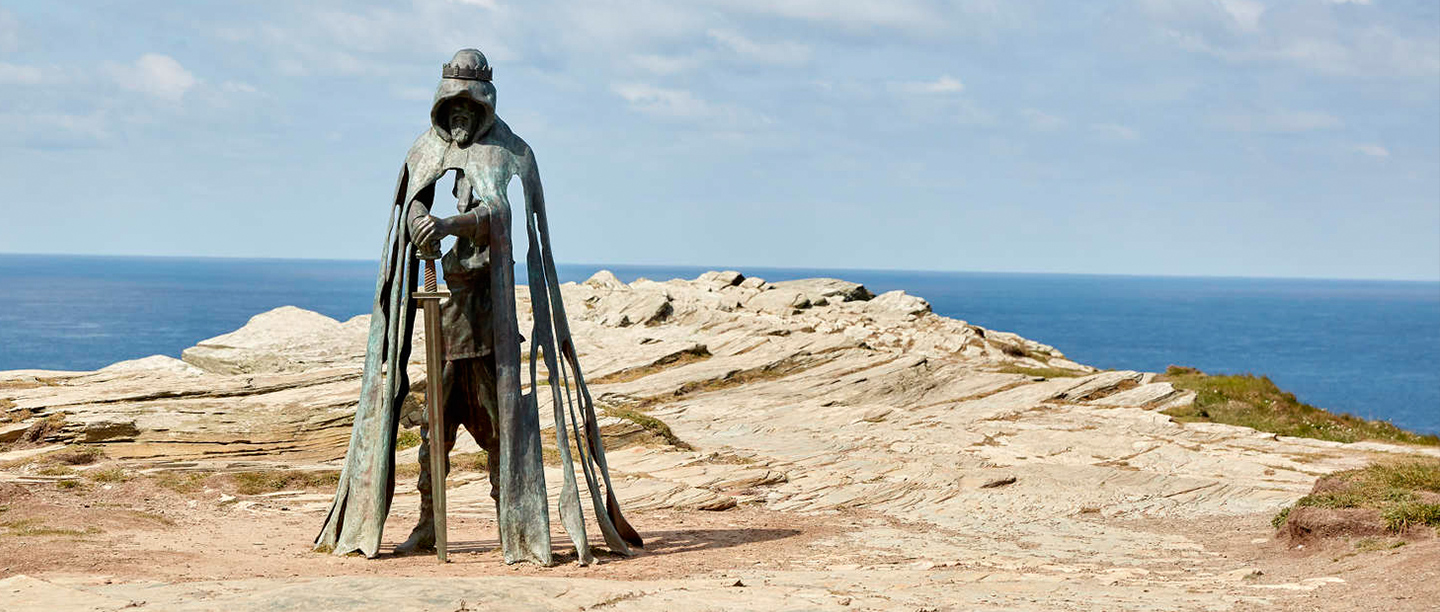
(367, 480)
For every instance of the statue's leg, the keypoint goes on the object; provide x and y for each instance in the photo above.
(490, 433)
(480, 420)
(423, 536)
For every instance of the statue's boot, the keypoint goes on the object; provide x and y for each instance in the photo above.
(422, 538)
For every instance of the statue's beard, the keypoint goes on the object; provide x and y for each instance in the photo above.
(460, 131)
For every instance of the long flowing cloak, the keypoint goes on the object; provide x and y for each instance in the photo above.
(367, 481)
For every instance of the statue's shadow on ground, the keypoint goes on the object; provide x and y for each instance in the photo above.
(670, 542)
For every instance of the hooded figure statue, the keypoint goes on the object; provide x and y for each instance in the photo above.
(482, 353)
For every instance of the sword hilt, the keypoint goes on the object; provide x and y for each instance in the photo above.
(431, 284)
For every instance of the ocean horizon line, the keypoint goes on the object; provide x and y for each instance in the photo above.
(743, 268)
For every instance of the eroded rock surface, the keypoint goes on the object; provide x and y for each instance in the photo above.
(968, 485)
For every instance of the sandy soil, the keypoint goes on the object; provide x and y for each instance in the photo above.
(138, 530)
(1378, 574)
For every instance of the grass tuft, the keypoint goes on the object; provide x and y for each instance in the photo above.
(469, 462)
(255, 483)
(1403, 490)
(1280, 517)
(1403, 515)
(656, 428)
(34, 527)
(1255, 402)
(408, 438)
(190, 482)
(76, 455)
(1373, 544)
(115, 474)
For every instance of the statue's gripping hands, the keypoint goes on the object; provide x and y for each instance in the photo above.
(482, 342)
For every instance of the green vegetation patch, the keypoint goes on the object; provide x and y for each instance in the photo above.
(69, 485)
(115, 474)
(1255, 402)
(655, 429)
(408, 438)
(1041, 372)
(470, 462)
(188, 482)
(255, 483)
(1373, 544)
(1405, 491)
(35, 527)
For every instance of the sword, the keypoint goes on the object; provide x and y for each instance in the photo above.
(429, 300)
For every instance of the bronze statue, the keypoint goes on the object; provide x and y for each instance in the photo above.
(481, 379)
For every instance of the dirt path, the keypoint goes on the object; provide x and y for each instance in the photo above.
(115, 539)
(138, 530)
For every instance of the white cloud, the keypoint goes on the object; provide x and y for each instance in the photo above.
(1041, 121)
(239, 87)
(663, 102)
(946, 84)
(1283, 122)
(155, 75)
(1245, 13)
(1116, 131)
(908, 15)
(782, 52)
(664, 64)
(1362, 2)
(1373, 150)
(1318, 36)
(15, 74)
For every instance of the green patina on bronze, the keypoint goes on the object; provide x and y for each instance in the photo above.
(486, 155)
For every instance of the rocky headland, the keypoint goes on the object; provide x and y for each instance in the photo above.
(793, 445)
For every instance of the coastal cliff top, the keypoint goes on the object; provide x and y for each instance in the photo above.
(892, 457)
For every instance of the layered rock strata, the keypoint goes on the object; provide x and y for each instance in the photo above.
(807, 397)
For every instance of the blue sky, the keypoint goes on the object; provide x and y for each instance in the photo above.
(1213, 137)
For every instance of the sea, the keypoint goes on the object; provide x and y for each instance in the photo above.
(1370, 348)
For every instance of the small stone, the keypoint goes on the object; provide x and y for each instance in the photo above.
(738, 583)
(875, 415)
(999, 482)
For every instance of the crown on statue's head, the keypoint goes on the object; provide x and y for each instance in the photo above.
(469, 73)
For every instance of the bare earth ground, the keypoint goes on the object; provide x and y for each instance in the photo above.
(847, 454)
(137, 533)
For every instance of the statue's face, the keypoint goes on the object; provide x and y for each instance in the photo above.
(463, 119)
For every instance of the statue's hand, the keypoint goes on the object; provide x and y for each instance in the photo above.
(427, 230)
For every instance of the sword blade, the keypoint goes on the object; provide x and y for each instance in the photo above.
(435, 405)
